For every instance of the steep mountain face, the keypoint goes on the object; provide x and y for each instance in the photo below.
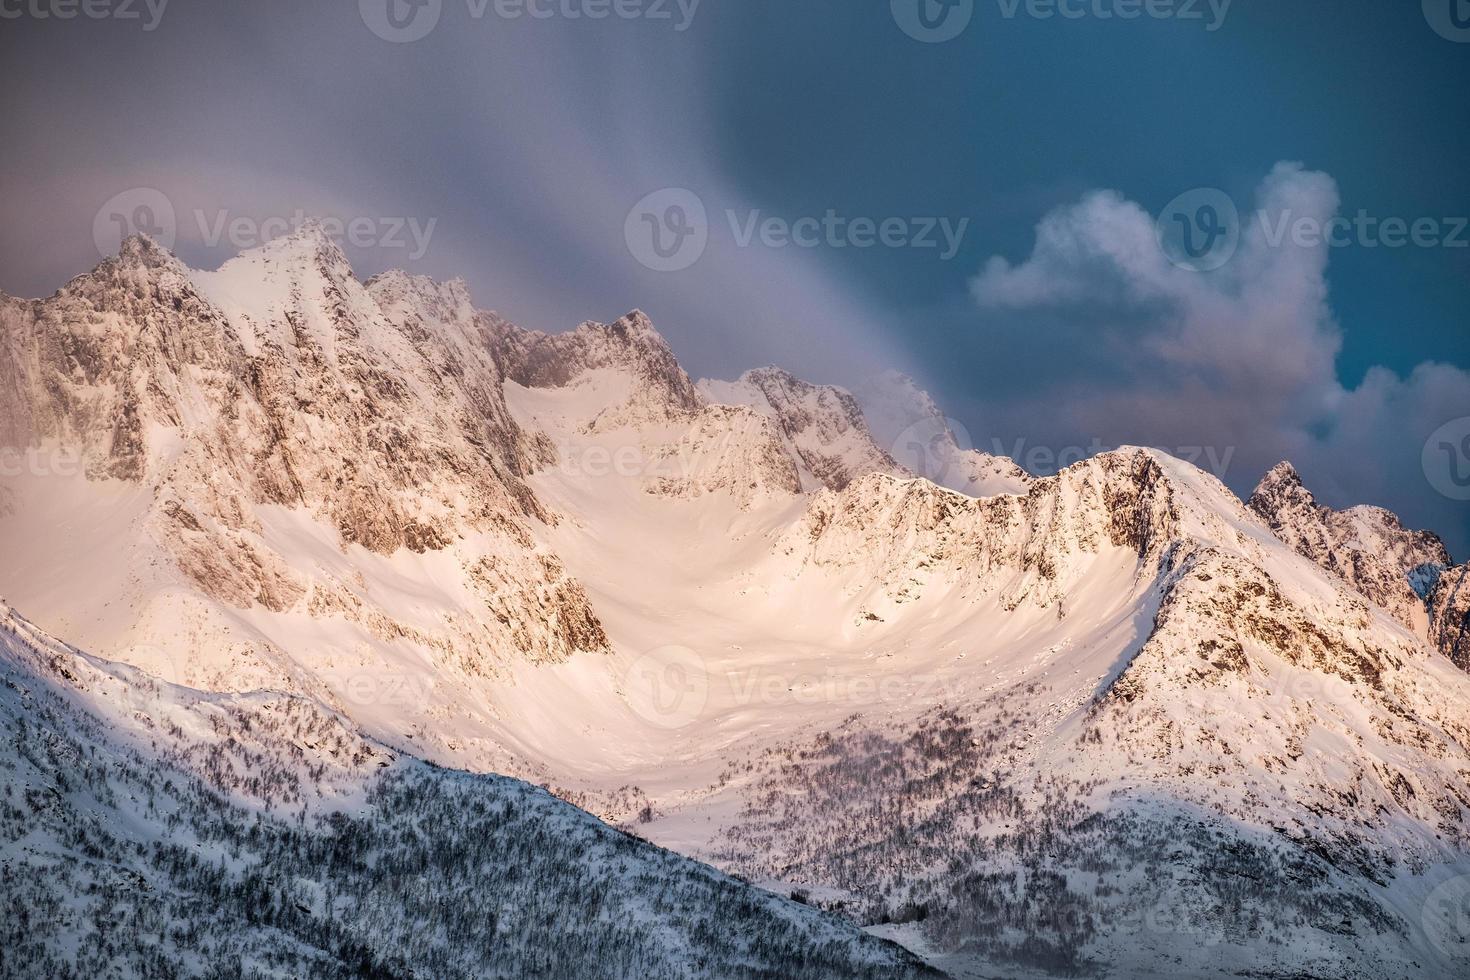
(1221, 712)
(1112, 719)
(1449, 615)
(289, 480)
(903, 533)
(905, 419)
(821, 425)
(151, 830)
(660, 390)
(1368, 547)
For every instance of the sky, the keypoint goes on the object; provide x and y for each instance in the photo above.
(1009, 200)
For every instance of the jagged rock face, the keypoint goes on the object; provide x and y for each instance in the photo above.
(1449, 615)
(92, 363)
(661, 390)
(1243, 670)
(905, 420)
(1368, 547)
(903, 531)
(1244, 716)
(626, 390)
(723, 450)
(822, 426)
(281, 384)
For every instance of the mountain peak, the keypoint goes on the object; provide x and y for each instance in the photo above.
(1282, 474)
(307, 242)
(141, 246)
(1367, 547)
(822, 425)
(1281, 489)
(634, 322)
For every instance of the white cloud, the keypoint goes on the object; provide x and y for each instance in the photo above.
(1244, 356)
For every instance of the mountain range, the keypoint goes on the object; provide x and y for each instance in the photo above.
(420, 643)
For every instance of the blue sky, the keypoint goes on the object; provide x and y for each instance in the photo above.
(526, 142)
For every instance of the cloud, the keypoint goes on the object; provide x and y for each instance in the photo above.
(1240, 358)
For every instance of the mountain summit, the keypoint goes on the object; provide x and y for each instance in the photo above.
(1111, 719)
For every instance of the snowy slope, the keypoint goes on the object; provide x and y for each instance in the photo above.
(150, 830)
(1102, 720)
(822, 426)
(288, 479)
(1367, 546)
(1150, 700)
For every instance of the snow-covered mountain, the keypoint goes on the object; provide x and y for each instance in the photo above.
(150, 830)
(1367, 546)
(1109, 720)
(822, 427)
(1409, 573)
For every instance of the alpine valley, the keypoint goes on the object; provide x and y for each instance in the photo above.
(351, 630)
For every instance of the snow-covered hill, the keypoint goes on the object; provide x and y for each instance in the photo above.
(149, 830)
(1113, 719)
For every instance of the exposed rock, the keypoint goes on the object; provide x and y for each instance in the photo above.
(661, 390)
(1367, 547)
(1449, 615)
(821, 425)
